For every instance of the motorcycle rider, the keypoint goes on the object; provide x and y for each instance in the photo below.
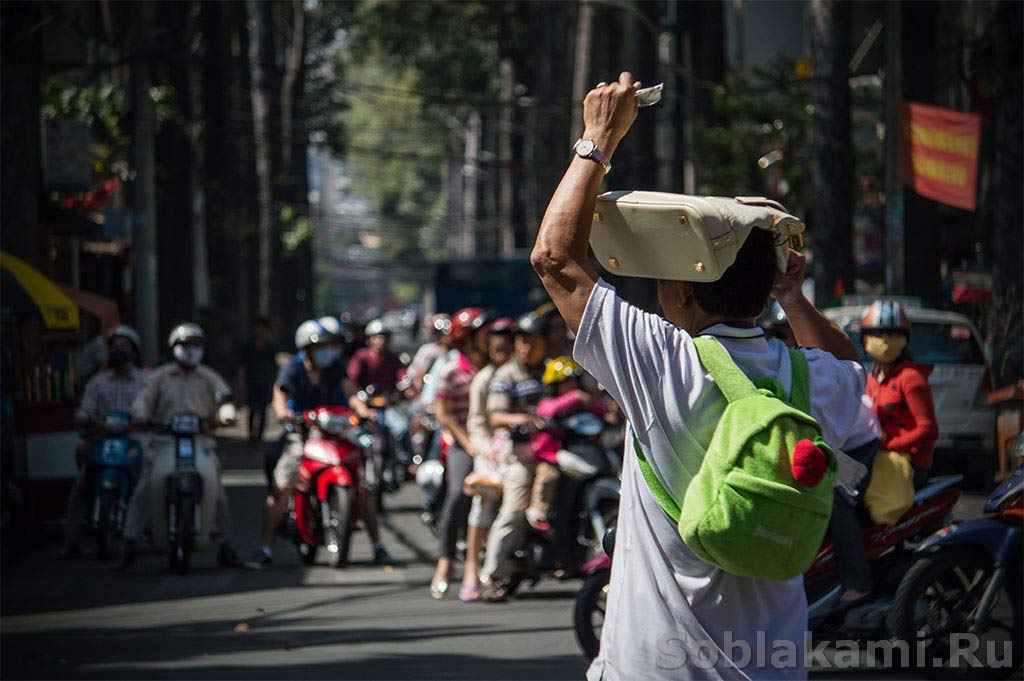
(184, 385)
(512, 401)
(438, 345)
(113, 389)
(314, 379)
(903, 411)
(377, 366)
(468, 336)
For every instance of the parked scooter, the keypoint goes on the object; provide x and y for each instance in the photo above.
(891, 551)
(183, 492)
(966, 579)
(113, 465)
(325, 505)
(586, 504)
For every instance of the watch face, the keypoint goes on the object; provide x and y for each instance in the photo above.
(585, 147)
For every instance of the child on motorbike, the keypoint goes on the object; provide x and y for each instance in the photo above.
(562, 374)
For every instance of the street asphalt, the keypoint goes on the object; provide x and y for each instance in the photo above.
(76, 619)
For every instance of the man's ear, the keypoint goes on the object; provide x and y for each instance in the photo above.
(684, 294)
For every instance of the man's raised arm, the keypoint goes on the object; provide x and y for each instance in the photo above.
(563, 241)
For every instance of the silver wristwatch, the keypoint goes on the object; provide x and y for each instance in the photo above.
(588, 149)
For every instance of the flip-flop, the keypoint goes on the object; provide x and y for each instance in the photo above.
(438, 590)
(469, 593)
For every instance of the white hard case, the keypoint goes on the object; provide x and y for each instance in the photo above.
(689, 238)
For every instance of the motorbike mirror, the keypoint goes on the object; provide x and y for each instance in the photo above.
(608, 541)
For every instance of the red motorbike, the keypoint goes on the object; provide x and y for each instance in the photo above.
(891, 551)
(325, 505)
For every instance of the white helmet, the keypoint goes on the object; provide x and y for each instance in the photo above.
(377, 327)
(125, 331)
(430, 476)
(185, 332)
(333, 325)
(313, 331)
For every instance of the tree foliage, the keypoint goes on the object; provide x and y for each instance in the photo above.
(762, 145)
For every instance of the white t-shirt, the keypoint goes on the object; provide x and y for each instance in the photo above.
(670, 615)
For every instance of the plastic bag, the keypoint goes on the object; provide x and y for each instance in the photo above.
(891, 492)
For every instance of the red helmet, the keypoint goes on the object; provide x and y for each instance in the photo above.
(503, 325)
(464, 323)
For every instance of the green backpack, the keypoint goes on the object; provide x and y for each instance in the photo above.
(744, 510)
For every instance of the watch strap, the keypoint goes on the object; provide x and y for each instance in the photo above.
(595, 155)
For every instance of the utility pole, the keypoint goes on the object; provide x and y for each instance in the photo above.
(689, 96)
(894, 255)
(581, 66)
(470, 182)
(144, 189)
(665, 141)
(260, 110)
(507, 239)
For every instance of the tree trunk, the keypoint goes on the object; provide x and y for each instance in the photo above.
(1007, 228)
(259, 14)
(832, 162)
(19, 148)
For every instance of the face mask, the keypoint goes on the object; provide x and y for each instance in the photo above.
(189, 355)
(885, 349)
(118, 358)
(323, 357)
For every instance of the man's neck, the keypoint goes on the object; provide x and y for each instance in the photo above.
(124, 370)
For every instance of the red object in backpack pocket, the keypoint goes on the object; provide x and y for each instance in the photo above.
(809, 463)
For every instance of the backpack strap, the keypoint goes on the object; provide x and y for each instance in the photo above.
(800, 387)
(733, 383)
(658, 491)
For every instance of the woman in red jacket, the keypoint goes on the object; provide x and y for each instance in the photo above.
(898, 387)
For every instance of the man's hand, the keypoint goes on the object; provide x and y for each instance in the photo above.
(609, 111)
(788, 287)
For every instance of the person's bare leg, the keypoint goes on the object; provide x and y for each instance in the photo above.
(475, 538)
(369, 508)
(272, 514)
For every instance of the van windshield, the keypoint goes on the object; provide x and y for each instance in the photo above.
(933, 343)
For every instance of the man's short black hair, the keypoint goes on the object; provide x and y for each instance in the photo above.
(742, 291)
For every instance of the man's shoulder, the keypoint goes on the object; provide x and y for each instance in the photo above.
(163, 371)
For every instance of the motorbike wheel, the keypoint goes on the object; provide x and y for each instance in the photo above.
(186, 533)
(588, 615)
(341, 523)
(106, 528)
(306, 552)
(938, 598)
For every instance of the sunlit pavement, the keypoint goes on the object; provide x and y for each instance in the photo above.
(78, 620)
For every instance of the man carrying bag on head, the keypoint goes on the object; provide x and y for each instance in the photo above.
(711, 404)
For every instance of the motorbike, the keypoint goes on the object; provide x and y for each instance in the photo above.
(891, 550)
(966, 580)
(325, 504)
(184, 490)
(586, 504)
(113, 465)
(387, 461)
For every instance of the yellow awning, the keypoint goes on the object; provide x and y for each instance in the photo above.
(57, 310)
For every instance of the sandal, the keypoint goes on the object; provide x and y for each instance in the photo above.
(438, 590)
(469, 593)
(495, 593)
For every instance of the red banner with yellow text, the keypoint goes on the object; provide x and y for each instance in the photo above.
(940, 154)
